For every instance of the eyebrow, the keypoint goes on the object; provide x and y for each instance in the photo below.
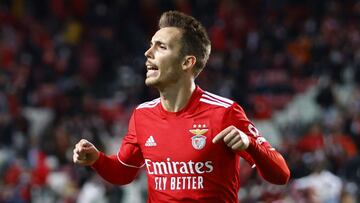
(157, 42)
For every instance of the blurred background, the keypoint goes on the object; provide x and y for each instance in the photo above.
(72, 69)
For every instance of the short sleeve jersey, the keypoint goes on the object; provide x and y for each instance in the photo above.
(176, 149)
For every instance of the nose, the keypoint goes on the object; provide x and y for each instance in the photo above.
(148, 53)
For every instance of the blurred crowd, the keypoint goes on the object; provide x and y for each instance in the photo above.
(75, 69)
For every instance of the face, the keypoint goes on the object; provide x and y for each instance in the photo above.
(163, 62)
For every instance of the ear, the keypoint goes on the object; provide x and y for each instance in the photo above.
(189, 62)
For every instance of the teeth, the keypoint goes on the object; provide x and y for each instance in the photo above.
(150, 67)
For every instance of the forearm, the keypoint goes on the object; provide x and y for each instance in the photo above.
(270, 164)
(110, 169)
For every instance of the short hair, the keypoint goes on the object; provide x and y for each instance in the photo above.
(195, 39)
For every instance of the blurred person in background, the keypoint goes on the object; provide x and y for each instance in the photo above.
(189, 140)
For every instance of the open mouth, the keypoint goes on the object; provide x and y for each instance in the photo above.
(150, 66)
(152, 70)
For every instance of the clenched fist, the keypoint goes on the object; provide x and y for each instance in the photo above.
(233, 138)
(85, 153)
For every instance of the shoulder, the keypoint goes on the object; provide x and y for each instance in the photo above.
(149, 104)
(215, 100)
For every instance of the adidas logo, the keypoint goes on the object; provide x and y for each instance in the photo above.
(150, 142)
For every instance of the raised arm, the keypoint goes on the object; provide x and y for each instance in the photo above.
(121, 168)
(243, 137)
(110, 168)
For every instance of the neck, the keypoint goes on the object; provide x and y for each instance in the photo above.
(175, 97)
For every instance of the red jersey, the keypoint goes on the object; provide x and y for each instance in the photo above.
(182, 163)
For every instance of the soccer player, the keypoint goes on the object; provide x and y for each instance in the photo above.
(189, 140)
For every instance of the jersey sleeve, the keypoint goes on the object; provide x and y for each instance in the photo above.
(130, 152)
(123, 167)
(269, 163)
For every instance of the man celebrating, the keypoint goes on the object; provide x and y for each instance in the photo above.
(190, 141)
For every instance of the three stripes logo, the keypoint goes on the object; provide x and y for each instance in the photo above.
(150, 142)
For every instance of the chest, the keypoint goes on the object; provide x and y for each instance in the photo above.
(178, 139)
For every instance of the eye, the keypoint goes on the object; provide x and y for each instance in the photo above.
(162, 46)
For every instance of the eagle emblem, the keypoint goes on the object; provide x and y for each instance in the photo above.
(198, 141)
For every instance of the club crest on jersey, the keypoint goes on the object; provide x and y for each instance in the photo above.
(198, 141)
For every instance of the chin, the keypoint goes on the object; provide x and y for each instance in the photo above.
(151, 82)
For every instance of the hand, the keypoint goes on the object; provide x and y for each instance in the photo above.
(85, 153)
(233, 138)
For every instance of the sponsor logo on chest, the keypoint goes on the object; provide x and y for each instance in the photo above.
(183, 174)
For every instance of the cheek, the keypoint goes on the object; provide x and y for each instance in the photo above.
(169, 64)
(172, 69)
